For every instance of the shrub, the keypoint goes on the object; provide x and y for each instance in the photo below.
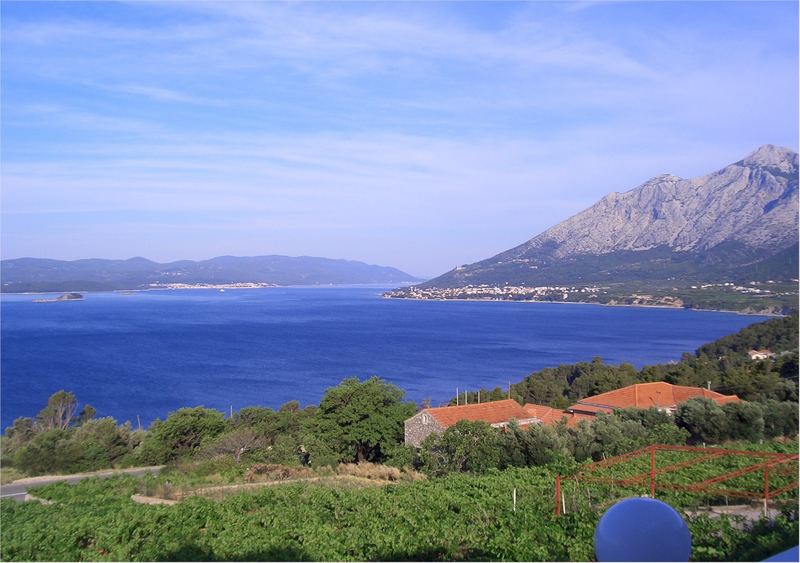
(703, 419)
(181, 433)
(367, 470)
(466, 446)
(274, 472)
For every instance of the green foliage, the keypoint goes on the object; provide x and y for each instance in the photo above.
(780, 419)
(535, 445)
(724, 363)
(703, 419)
(777, 335)
(18, 434)
(458, 517)
(59, 412)
(730, 539)
(95, 444)
(180, 434)
(358, 420)
(50, 451)
(402, 455)
(744, 421)
(467, 446)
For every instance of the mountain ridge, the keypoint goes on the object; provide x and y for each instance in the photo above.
(98, 274)
(703, 228)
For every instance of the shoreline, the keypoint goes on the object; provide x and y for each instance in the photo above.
(221, 286)
(743, 313)
(465, 299)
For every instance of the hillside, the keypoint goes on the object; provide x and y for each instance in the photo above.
(36, 274)
(737, 224)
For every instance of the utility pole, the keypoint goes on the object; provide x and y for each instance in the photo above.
(479, 396)
(466, 398)
(509, 389)
(708, 384)
(456, 396)
(139, 422)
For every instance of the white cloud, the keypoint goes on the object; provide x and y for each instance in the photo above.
(348, 120)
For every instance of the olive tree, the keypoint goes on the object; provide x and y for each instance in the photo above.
(360, 420)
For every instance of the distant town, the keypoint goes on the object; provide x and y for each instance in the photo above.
(607, 295)
(238, 285)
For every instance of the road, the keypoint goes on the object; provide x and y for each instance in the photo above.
(17, 490)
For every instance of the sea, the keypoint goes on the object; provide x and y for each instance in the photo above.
(137, 356)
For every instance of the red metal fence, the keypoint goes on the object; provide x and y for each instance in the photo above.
(783, 468)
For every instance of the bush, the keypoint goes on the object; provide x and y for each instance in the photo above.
(703, 419)
(180, 434)
(367, 470)
(744, 421)
(402, 455)
(274, 472)
(780, 419)
(467, 446)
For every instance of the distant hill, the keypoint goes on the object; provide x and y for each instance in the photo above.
(737, 224)
(38, 274)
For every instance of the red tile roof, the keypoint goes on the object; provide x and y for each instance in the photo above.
(590, 409)
(645, 395)
(493, 412)
(549, 415)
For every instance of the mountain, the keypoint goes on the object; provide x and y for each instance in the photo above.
(737, 224)
(37, 274)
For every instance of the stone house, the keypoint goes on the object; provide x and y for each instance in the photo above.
(661, 395)
(438, 419)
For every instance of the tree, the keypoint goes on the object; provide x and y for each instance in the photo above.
(614, 436)
(87, 413)
(101, 443)
(780, 419)
(49, 451)
(19, 433)
(744, 421)
(703, 418)
(237, 442)
(649, 418)
(59, 412)
(467, 446)
(181, 433)
(359, 420)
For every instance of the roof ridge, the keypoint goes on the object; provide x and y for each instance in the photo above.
(472, 405)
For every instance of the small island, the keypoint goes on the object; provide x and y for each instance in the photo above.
(65, 297)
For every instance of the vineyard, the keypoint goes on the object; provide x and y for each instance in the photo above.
(503, 515)
(690, 477)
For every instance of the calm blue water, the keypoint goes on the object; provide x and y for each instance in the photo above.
(152, 352)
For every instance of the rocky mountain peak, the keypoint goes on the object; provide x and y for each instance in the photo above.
(728, 219)
(772, 155)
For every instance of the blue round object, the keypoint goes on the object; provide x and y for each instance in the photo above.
(642, 529)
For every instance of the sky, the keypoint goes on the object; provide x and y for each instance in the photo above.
(410, 134)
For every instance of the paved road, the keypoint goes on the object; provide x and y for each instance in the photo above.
(19, 488)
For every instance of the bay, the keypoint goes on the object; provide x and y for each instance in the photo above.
(151, 352)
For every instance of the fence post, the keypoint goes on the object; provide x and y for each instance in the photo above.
(558, 495)
(652, 471)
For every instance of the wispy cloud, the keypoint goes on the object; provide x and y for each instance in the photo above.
(421, 135)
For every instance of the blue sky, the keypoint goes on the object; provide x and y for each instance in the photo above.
(417, 135)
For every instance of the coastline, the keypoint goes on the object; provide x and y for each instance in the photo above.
(743, 313)
(220, 286)
(467, 299)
